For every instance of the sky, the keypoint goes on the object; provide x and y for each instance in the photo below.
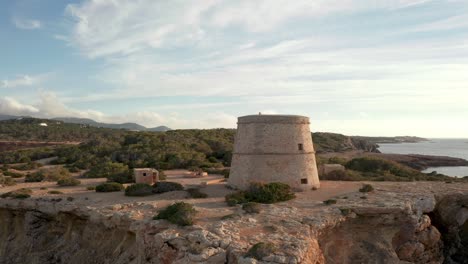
(356, 67)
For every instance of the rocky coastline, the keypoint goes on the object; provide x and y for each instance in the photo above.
(422, 222)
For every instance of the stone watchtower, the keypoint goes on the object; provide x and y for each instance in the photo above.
(274, 148)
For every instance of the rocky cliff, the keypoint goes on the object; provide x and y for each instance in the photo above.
(397, 223)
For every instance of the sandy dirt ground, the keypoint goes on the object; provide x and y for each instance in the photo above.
(213, 206)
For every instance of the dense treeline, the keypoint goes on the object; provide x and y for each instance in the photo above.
(164, 150)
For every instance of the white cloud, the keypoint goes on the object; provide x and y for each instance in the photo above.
(116, 27)
(122, 27)
(9, 106)
(22, 80)
(27, 23)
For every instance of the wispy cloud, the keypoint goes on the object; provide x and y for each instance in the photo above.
(26, 23)
(23, 80)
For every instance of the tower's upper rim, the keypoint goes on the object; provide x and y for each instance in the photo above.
(273, 119)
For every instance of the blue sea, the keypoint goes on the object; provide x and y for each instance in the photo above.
(457, 148)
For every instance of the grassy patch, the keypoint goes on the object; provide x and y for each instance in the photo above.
(68, 182)
(262, 193)
(179, 213)
(7, 180)
(329, 202)
(366, 188)
(54, 192)
(162, 187)
(91, 188)
(139, 189)
(196, 193)
(22, 193)
(261, 250)
(109, 187)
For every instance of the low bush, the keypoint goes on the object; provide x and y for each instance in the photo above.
(329, 202)
(337, 160)
(196, 193)
(261, 250)
(22, 193)
(108, 169)
(139, 189)
(52, 174)
(236, 198)
(35, 177)
(262, 193)
(345, 211)
(366, 188)
(123, 177)
(162, 187)
(7, 180)
(13, 174)
(54, 192)
(269, 193)
(162, 176)
(179, 213)
(252, 208)
(27, 166)
(68, 182)
(339, 175)
(91, 188)
(109, 187)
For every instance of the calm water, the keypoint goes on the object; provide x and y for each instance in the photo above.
(457, 148)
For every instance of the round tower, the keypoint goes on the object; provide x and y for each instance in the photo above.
(274, 148)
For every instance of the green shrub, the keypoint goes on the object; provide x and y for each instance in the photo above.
(366, 188)
(22, 193)
(123, 177)
(262, 193)
(339, 175)
(139, 189)
(108, 169)
(269, 193)
(382, 167)
(52, 174)
(236, 198)
(162, 187)
(13, 174)
(68, 182)
(109, 187)
(27, 166)
(252, 208)
(337, 160)
(329, 202)
(35, 177)
(261, 250)
(179, 213)
(345, 211)
(54, 192)
(91, 188)
(43, 188)
(196, 193)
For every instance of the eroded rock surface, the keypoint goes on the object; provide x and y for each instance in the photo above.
(397, 223)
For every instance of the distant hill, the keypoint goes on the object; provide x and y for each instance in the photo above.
(8, 117)
(90, 122)
(398, 139)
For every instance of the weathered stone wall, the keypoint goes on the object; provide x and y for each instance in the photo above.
(274, 148)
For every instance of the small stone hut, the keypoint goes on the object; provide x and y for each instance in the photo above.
(274, 148)
(146, 175)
